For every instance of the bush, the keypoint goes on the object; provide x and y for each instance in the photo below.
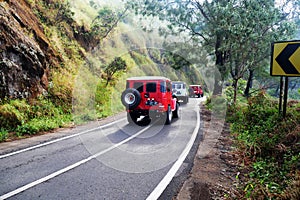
(26, 119)
(37, 125)
(44, 108)
(11, 116)
(103, 100)
(268, 144)
(3, 134)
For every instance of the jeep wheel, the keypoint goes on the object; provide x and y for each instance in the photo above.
(176, 113)
(185, 100)
(168, 115)
(131, 98)
(131, 118)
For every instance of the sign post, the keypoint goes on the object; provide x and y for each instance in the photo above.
(285, 62)
(280, 95)
(286, 88)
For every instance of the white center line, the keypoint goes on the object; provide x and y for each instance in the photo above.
(57, 140)
(50, 176)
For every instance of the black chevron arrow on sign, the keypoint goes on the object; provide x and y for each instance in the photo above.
(283, 59)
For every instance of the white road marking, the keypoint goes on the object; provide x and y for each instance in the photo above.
(50, 176)
(57, 140)
(155, 194)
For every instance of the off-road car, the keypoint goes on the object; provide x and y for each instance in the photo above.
(180, 89)
(151, 97)
(196, 91)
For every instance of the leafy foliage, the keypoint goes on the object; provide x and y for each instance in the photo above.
(13, 114)
(175, 61)
(104, 22)
(3, 134)
(293, 191)
(117, 65)
(238, 33)
(103, 100)
(268, 144)
(24, 118)
(42, 124)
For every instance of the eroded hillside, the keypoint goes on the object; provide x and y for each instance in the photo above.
(25, 52)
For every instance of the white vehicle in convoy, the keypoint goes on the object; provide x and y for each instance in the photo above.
(180, 90)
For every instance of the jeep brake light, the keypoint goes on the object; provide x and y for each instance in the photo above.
(151, 102)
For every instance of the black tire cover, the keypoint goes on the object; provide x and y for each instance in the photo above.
(137, 98)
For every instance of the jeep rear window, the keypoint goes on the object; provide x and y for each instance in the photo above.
(151, 87)
(178, 86)
(138, 86)
(163, 87)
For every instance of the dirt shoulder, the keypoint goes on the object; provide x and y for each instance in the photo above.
(215, 169)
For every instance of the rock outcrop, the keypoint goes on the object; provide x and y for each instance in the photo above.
(25, 53)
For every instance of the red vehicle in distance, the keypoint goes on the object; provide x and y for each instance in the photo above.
(196, 91)
(151, 97)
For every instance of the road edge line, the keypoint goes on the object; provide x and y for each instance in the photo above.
(68, 168)
(56, 140)
(162, 185)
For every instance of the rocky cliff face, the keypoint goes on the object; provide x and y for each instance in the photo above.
(25, 53)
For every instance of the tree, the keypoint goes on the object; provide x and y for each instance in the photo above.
(101, 26)
(64, 12)
(238, 33)
(117, 65)
(105, 22)
(249, 34)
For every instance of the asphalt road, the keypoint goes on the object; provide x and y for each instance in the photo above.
(109, 159)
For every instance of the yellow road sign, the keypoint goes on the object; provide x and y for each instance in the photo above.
(285, 60)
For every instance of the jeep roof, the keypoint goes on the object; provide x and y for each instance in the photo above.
(141, 78)
(178, 82)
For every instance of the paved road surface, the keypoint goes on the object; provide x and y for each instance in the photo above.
(109, 159)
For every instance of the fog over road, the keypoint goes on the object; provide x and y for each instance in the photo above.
(109, 159)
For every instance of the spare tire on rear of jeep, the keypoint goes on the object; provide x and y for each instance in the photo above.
(131, 98)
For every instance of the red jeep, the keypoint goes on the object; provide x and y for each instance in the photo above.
(151, 97)
(196, 91)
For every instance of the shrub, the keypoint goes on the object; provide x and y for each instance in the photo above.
(26, 119)
(3, 134)
(37, 125)
(43, 107)
(293, 191)
(271, 143)
(10, 116)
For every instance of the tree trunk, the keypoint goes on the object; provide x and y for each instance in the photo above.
(235, 90)
(220, 66)
(217, 87)
(249, 83)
